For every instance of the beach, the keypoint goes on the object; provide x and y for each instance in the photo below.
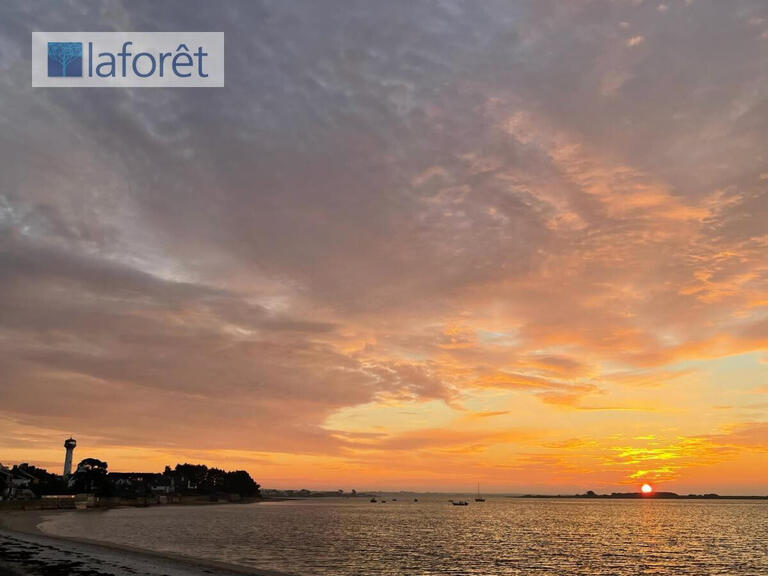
(26, 551)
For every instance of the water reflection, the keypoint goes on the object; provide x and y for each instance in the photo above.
(431, 537)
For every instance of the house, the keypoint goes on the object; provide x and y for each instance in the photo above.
(5, 482)
(16, 483)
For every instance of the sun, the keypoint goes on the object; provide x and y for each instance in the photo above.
(646, 488)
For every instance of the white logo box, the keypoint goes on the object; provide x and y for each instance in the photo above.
(135, 52)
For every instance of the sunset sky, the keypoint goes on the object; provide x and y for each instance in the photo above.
(410, 245)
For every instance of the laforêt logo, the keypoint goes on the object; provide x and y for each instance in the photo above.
(127, 59)
(65, 59)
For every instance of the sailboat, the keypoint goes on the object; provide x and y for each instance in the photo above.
(479, 498)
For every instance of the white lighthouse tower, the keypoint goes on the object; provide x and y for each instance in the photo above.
(69, 444)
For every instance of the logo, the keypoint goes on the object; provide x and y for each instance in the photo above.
(127, 59)
(65, 59)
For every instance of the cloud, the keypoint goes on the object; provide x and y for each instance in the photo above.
(746, 435)
(484, 208)
(455, 441)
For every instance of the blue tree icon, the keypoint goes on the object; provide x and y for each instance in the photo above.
(65, 59)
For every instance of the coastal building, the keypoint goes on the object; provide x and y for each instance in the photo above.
(140, 483)
(69, 444)
(5, 483)
(16, 483)
(21, 478)
(25, 481)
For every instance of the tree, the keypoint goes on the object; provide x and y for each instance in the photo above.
(188, 477)
(215, 481)
(64, 53)
(91, 476)
(240, 482)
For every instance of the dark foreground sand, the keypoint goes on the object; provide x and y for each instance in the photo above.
(25, 551)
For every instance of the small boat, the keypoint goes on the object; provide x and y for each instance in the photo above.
(415, 499)
(479, 498)
(374, 499)
(459, 502)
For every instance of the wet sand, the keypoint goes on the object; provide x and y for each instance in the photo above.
(26, 551)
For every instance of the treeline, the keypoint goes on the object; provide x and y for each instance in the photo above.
(203, 480)
(93, 476)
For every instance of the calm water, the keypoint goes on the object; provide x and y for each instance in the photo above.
(500, 536)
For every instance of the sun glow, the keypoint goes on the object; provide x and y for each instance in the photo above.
(646, 488)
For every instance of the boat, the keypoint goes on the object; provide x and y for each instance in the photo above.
(374, 499)
(459, 502)
(479, 498)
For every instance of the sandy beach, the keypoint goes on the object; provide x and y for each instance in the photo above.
(26, 551)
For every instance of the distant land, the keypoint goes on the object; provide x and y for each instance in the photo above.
(640, 495)
(302, 494)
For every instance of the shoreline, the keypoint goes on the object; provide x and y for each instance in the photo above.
(25, 550)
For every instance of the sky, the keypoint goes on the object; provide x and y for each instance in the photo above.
(410, 245)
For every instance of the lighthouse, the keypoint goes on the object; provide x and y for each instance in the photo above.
(69, 444)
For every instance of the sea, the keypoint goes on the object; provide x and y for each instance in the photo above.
(502, 536)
